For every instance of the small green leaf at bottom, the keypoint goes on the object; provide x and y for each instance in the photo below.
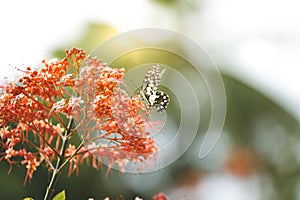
(60, 196)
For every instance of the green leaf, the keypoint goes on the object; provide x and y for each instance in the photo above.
(60, 196)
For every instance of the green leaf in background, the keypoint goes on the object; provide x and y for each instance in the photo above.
(60, 196)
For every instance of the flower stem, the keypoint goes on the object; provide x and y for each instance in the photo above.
(59, 164)
(50, 187)
(75, 153)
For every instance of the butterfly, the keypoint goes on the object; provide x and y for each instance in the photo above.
(149, 93)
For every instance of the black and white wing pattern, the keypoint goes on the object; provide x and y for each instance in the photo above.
(149, 93)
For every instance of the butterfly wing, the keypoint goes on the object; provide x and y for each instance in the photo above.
(162, 101)
(149, 93)
(152, 78)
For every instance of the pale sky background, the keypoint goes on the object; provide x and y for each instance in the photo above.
(256, 41)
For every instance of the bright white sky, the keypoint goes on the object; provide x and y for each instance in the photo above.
(258, 40)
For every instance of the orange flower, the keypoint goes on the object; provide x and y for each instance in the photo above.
(46, 102)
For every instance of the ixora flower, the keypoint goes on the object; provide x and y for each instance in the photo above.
(78, 94)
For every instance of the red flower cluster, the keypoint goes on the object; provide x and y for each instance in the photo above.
(119, 121)
(75, 94)
(160, 196)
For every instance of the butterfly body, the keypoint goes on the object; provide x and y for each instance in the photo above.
(149, 93)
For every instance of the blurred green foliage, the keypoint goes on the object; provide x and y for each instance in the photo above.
(94, 33)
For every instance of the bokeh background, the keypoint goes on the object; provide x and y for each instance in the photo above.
(256, 46)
